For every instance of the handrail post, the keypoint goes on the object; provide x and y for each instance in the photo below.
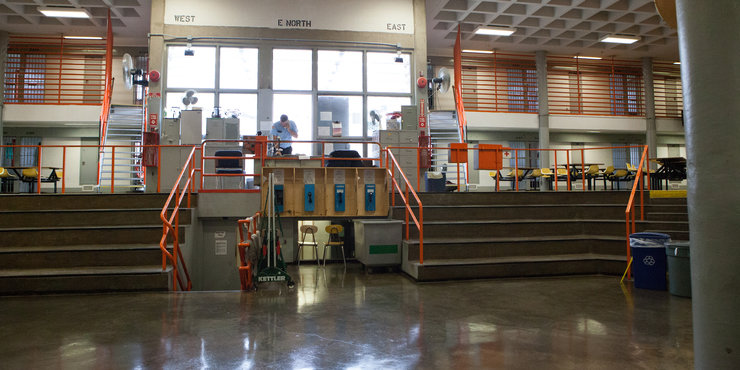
(112, 168)
(408, 210)
(567, 165)
(556, 170)
(38, 171)
(418, 169)
(159, 167)
(64, 162)
(516, 168)
(629, 251)
(458, 177)
(583, 170)
(421, 235)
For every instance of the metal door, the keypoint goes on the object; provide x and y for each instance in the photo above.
(89, 162)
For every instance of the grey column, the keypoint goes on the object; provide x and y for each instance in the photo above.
(3, 62)
(420, 49)
(710, 51)
(650, 129)
(543, 110)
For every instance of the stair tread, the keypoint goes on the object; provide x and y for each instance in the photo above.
(522, 221)
(519, 259)
(513, 205)
(472, 240)
(77, 271)
(83, 247)
(98, 210)
(61, 228)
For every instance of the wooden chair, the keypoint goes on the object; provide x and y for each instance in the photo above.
(305, 231)
(335, 240)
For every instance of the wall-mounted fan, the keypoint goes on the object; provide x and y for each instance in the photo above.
(132, 76)
(189, 98)
(442, 80)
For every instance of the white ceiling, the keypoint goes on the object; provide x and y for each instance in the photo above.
(130, 19)
(556, 26)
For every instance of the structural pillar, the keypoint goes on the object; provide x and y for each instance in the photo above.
(651, 132)
(710, 51)
(3, 63)
(543, 110)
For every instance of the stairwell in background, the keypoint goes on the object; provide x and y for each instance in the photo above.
(444, 129)
(125, 125)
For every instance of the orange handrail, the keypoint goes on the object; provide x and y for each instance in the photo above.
(391, 166)
(107, 96)
(245, 267)
(630, 210)
(172, 224)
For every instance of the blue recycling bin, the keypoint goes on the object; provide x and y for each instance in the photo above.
(649, 260)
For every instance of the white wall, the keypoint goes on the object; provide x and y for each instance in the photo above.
(52, 157)
(42, 115)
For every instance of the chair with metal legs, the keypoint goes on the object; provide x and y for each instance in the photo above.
(335, 240)
(305, 231)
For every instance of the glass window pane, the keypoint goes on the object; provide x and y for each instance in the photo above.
(384, 74)
(291, 69)
(340, 70)
(173, 106)
(238, 68)
(379, 107)
(299, 108)
(191, 72)
(244, 107)
(345, 109)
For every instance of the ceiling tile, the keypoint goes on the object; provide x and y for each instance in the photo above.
(443, 26)
(446, 16)
(530, 22)
(583, 26)
(596, 4)
(487, 7)
(545, 11)
(517, 9)
(620, 5)
(503, 20)
(456, 5)
(573, 14)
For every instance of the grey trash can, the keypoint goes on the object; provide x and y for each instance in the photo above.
(679, 268)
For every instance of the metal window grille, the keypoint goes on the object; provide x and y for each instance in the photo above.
(499, 82)
(29, 155)
(667, 90)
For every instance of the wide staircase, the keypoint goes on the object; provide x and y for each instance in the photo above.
(493, 235)
(82, 243)
(123, 167)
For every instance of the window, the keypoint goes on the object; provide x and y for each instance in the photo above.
(340, 70)
(24, 78)
(292, 69)
(522, 90)
(626, 94)
(175, 105)
(244, 107)
(299, 108)
(238, 68)
(384, 74)
(345, 109)
(191, 71)
(382, 106)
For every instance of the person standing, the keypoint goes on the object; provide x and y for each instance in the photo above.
(284, 130)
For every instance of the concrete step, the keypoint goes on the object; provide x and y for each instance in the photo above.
(519, 228)
(83, 201)
(75, 235)
(69, 256)
(667, 216)
(502, 212)
(507, 267)
(84, 279)
(82, 217)
(462, 248)
(538, 197)
(664, 225)
(658, 201)
(675, 234)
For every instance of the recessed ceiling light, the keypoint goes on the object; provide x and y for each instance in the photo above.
(63, 12)
(585, 57)
(496, 31)
(478, 51)
(83, 37)
(677, 63)
(620, 39)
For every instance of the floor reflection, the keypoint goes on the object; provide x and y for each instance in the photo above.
(337, 318)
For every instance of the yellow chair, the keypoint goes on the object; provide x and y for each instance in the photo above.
(620, 175)
(608, 171)
(30, 175)
(535, 176)
(6, 179)
(592, 173)
(308, 230)
(335, 240)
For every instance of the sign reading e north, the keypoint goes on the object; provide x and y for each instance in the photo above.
(387, 16)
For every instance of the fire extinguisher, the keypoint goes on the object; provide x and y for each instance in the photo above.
(425, 152)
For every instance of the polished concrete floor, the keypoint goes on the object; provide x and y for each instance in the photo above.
(334, 319)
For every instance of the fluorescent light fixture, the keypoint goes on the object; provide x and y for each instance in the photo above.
(478, 51)
(679, 63)
(495, 31)
(83, 37)
(63, 12)
(585, 57)
(620, 39)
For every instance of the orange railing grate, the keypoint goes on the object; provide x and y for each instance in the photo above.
(667, 90)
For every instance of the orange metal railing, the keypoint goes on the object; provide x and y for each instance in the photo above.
(457, 90)
(247, 226)
(667, 90)
(499, 82)
(107, 95)
(392, 166)
(610, 87)
(171, 224)
(629, 212)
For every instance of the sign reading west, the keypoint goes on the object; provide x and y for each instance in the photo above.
(389, 16)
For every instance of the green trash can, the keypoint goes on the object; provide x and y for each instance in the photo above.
(679, 268)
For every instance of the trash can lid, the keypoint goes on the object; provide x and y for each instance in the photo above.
(646, 235)
(677, 249)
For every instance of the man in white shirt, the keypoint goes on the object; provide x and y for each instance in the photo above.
(284, 130)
